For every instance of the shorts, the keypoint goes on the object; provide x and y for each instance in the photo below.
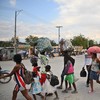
(70, 78)
(17, 88)
(94, 75)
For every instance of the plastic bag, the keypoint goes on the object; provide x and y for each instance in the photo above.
(44, 44)
(66, 45)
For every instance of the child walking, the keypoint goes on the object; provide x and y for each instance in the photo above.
(18, 72)
(42, 76)
(69, 71)
(49, 73)
(36, 87)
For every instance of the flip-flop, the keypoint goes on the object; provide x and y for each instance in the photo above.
(90, 91)
(73, 92)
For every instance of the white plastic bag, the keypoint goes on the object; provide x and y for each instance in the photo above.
(66, 45)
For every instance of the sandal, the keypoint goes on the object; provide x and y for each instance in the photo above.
(73, 92)
(65, 91)
(59, 87)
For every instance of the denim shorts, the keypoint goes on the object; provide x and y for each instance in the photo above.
(94, 75)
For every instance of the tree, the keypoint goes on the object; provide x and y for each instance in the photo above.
(81, 41)
(5, 44)
(91, 43)
(53, 43)
(13, 40)
(31, 40)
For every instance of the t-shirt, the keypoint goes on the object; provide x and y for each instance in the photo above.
(88, 59)
(95, 66)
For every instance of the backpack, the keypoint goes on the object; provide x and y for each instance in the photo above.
(83, 73)
(27, 76)
(54, 80)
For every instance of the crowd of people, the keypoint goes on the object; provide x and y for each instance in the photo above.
(40, 84)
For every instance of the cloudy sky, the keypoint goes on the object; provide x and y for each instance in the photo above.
(40, 18)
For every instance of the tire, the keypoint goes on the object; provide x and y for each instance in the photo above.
(6, 79)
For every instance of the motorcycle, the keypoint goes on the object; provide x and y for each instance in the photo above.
(6, 79)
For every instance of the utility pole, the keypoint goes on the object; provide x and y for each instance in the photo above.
(15, 42)
(58, 37)
(58, 33)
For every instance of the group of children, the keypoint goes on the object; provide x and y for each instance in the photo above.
(41, 83)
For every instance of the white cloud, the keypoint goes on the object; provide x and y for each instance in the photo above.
(76, 16)
(6, 30)
(25, 29)
(79, 16)
(13, 2)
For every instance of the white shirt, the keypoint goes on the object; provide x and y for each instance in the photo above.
(88, 59)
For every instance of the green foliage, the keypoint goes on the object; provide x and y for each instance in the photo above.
(5, 44)
(82, 41)
(31, 40)
(91, 42)
(53, 43)
(13, 40)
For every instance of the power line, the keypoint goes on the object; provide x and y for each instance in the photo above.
(35, 16)
(7, 8)
(26, 13)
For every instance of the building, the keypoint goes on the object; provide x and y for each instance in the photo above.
(6, 53)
